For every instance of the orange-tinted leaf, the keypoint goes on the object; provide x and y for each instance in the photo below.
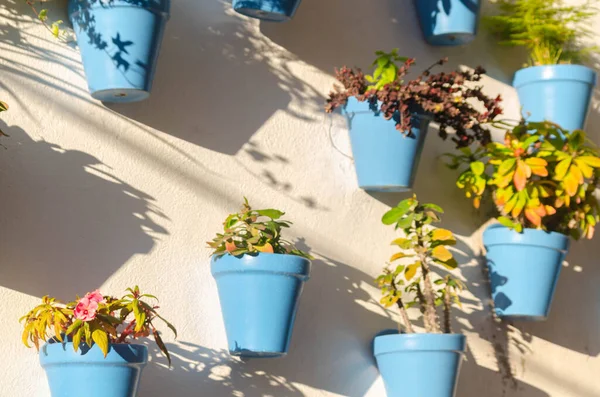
(592, 161)
(540, 171)
(441, 253)
(411, 270)
(586, 170)
(550, 210)
(520, 176)
(477, 202)
(267, 248)
(442, 235)
(230, 246)
(534, 218)
(536, 162)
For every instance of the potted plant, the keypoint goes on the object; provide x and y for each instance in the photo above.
(260, 277)
(542, 180)
(119, 42)
(388, 117)
(3, 108)
(448, 22)
(267, 10)
(420, 364)
(553, 86)
(86, 349)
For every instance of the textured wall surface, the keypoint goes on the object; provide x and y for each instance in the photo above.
(96, 195)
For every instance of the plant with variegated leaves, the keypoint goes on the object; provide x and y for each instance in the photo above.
(423, 249)
(95, 319)
(252, 231)
(540, 177)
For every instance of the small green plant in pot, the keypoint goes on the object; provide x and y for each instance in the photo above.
(86, 349)
(542, 180)
(430, 361)
(388, 116)
(553, 86)
(260, 277)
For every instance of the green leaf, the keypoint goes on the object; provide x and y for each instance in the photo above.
(271, 213)
(394, 214)
(477, 167)
(406, 222)
(74, 326)
(403, 243)
(561, 169)
(507, 166)
(101, 339)
(434, 207)
(450, 264)
(77, 339)
(399, 255)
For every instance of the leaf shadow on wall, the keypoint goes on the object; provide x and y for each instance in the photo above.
(330, 348)
(334, 33)
(218, 81)
(68, 223)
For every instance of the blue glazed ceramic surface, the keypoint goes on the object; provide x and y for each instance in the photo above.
(524, 268)
(119, 42)
(385, 160)
(423, 365)
(448, 22)
(87, 373)
(557, 93)
(259, 298)
(267, 10)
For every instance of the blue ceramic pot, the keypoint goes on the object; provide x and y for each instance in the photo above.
(423, 365)
(385, 160)
(267, 10)
(557, 93)
(524, 269)
(88, 373)
(448, 22)
(259, 297)
(119, 42)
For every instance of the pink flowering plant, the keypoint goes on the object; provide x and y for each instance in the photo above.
(95, 319)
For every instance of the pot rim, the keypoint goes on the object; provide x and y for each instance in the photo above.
(425, 342)
(498, 234)
(163, 9)
(567, 72)
(281, 264)
(127, 354)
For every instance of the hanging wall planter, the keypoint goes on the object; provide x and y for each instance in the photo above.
(87, 372)
(267, 10)
(388, 116)
(448, 22)
(119, 43)
(259, 298)
(524, 269)
(542, 180)
(413, 364)
(260, 278)
(424, 365)
(558, 93)
(555, 87)
(88, 353)
(385, 159)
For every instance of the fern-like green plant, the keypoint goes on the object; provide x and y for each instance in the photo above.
(551, 31)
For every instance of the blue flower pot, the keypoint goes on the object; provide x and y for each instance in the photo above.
(448, 22)
(385, 160)
(419, 365)
(119, 42)
(87, 373)
(259, 297)
(524, 269)
(267, 10)
(557, 93)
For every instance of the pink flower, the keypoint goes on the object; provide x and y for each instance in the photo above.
(85, 309)
(95, 296)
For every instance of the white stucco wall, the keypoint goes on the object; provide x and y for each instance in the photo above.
(110, 196)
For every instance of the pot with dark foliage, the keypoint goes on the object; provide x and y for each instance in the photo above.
(388, 117)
